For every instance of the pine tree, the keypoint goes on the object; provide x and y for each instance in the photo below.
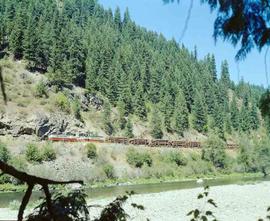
(167, 108)
(213, 68)
(117, 18)
(244, 122)
(199, 114)
(180, 116)
(253, 116)
(126, 19)
(234, 112)
(31, 44)
(219, 120)
(121, 110)
(129, 129)
(225, 75)
(139, 102)
(155, 124)
(17, 34)
(106, 118)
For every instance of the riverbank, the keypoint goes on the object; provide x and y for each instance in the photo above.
(235, 202)
(9, 187)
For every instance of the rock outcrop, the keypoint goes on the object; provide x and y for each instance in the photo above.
(42, 125)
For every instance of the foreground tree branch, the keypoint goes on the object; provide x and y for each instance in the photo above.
(31, 181)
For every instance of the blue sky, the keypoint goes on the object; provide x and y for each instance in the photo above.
(169, 20)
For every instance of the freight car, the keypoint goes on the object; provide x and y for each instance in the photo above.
(133, 141)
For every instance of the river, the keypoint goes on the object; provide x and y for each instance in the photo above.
(235, 197)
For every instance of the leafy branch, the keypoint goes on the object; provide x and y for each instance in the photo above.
(203, 214)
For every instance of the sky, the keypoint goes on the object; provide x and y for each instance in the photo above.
(169, 19)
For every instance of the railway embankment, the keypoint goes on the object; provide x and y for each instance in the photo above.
(106, 164)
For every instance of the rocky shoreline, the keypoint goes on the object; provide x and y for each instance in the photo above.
(247, 202)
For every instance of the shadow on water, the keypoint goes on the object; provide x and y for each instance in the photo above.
(113, 191)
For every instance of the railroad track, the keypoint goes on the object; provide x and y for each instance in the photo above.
(133, 141)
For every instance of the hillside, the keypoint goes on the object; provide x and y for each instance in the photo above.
(114, 77)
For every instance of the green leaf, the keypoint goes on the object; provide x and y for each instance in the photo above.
(204, 218)
(206, 188)
(196, 213)
(200, 196)
(140, 207)
(209, 213)
(190, 213)
(211, 201)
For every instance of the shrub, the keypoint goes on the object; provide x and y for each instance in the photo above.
(62, 102)
(76, 109)
(4, 153)
(33, 153)
(20, 163)
(49, 153)
(247, 157)
(262, 156)
(40, 89)
(214, 151)
(178, 158)
(91, 151)
(109, 171)
(138, 159)
(4, 179)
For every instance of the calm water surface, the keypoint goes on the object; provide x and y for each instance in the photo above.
(104, 192)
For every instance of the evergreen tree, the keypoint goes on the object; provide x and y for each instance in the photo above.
(244, 122)
(225, 75)
(234, 112)
(139, 102)
(199, 114)
(219, 120)
(155, 125)
(117, 18)
(17, 34)
(31, 45)
(129, 129)
(106, 119)
(213, 68)
(127, 18)
(253, 116)
(180, 116)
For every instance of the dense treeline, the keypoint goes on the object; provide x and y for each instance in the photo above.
(140, 72)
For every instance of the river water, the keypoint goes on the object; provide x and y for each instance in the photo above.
(113, 191)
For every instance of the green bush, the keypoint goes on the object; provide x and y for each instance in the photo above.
(33, 153)
(262, 156)
(20, 163)
(62, 102)
(91, 151)
(76, 109)
(214, 151)
(48, 153)
(137, 159)
(178, 158)
(40, 89)
(4, 153)
(109, 171)
(4, 179)
(247, 156)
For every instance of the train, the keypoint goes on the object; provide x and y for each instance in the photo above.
(133, 141)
